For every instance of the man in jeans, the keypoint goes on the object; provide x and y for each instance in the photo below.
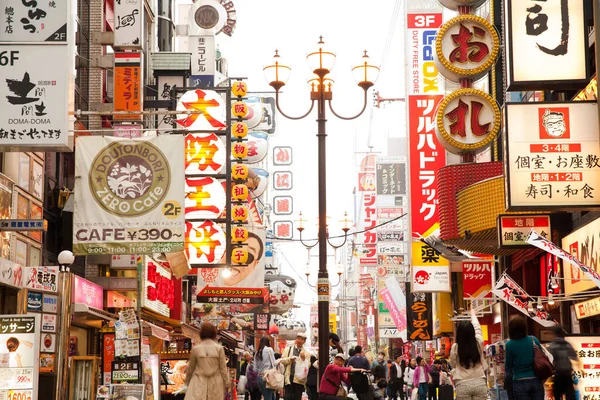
(293, 386)
(563, 354)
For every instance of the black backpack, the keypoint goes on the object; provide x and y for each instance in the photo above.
(359, 382)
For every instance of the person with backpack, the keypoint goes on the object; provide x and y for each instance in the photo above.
(563, 354)
(252, 383)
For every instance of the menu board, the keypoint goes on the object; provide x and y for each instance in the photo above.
(588, 351)
(19, 356)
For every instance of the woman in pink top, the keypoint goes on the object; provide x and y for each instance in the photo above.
(333, 376)
(421, 378)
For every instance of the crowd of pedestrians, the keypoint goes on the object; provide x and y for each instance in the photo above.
(294, 372)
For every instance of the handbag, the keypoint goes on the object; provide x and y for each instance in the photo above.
(274, 379)
(541, 364)
(341, 392)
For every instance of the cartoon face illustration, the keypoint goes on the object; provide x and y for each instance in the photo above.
(554, 123)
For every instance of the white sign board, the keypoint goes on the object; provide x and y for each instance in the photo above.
(34, 21)
(19, 354)
(35, 94)
(546, 42)
(552, 155)
(129, 195)
(204, 52)
(129, 24)
(430, 279)
(587, 350)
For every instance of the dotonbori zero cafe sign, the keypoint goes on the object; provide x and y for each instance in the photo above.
(129, 195)
(35, 93)
(552, 155)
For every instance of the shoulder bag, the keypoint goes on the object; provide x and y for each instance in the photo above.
(541, 364)
(341, 392)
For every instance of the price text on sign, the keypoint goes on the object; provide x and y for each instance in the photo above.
(20, 395)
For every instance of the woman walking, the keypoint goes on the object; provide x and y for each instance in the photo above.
(422, 378)
(519, 361)
(264, 360)
(207, 376)
(466, 356)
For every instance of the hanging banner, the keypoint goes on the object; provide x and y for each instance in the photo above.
(537, 240)
(509, 291)
(477, 278)
(419, 315)
(19, 363)
(129, 195)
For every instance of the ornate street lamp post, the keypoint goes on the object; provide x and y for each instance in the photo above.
(321, 62)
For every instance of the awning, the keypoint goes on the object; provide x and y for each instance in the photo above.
(191, 332)
(90, 316)
(156, 331)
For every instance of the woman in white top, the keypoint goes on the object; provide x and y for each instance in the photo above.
(466, 356)
(409, 375)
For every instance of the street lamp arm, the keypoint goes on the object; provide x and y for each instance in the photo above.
(338, 246)
(306, 244)
(353, 117)
(312, 105)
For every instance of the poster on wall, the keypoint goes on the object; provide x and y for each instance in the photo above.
(48, 343)
(19, 349)
(129, 196)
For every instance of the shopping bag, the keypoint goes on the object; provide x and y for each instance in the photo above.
(242, 382)
(415, 394)
(301, 370)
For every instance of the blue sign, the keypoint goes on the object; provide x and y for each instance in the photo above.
(202, 81)
(34, 301)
